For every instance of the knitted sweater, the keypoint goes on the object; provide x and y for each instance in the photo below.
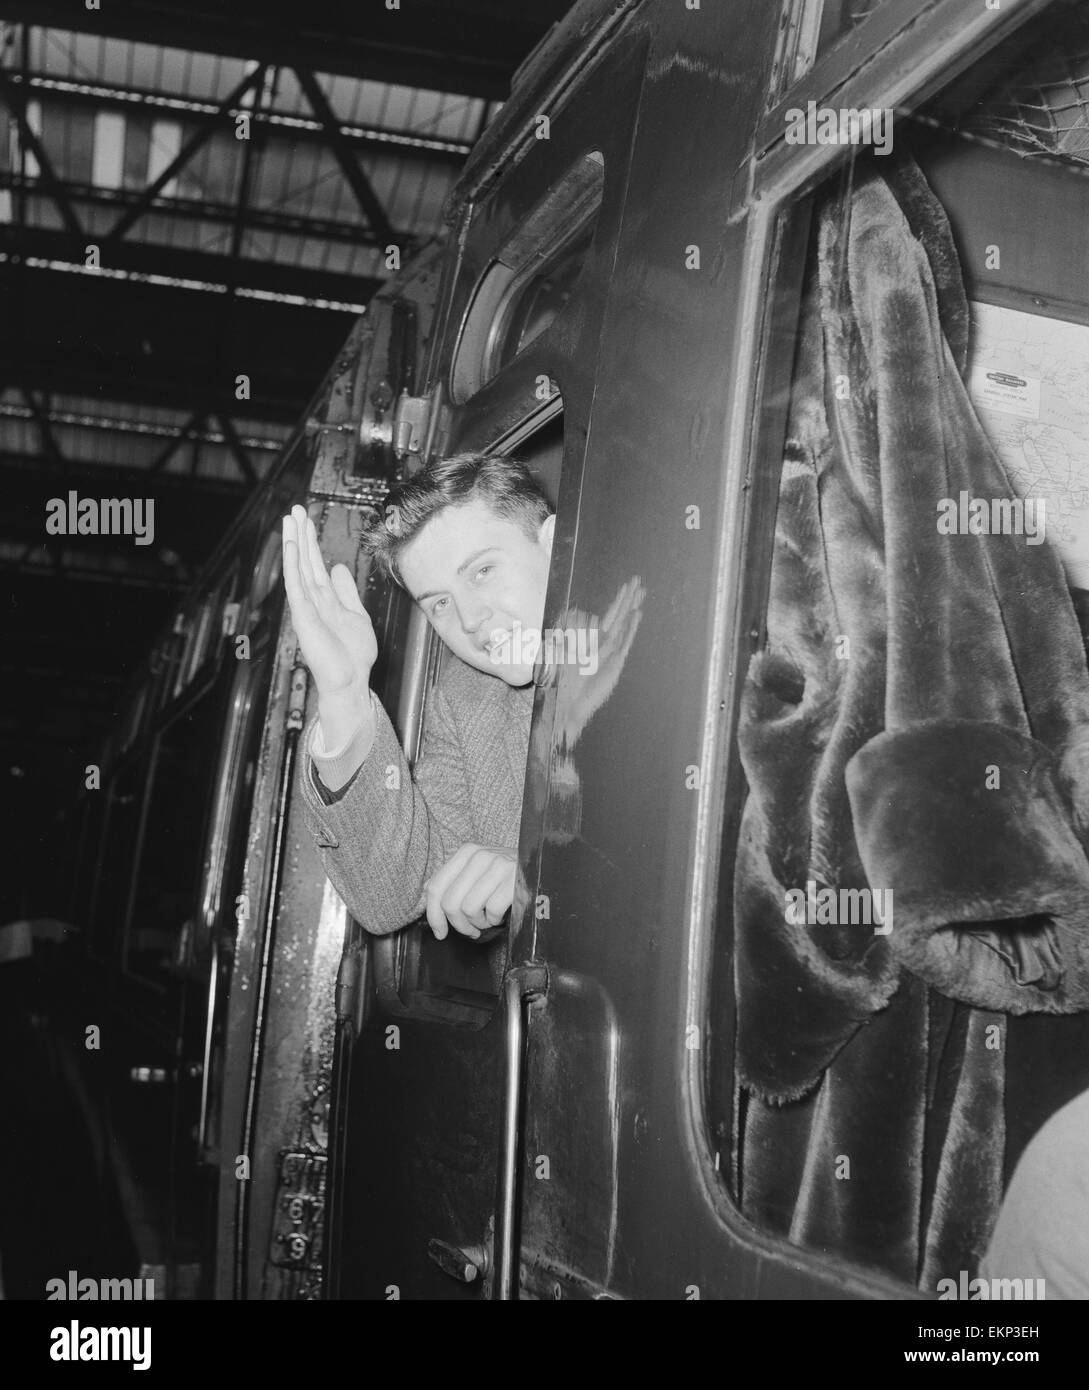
(385, 832)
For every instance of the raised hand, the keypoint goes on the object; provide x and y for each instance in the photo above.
(335, 633)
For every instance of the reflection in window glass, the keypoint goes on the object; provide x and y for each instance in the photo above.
(123, 788)
(267, 576)
(523, 290)
(809, 28)
(135, 715)
(839, 17)
(86, 863)
(170, 858)
(249, 714)
(908, 984)
(542, 299)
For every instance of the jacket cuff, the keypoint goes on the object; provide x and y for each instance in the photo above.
(336, 767)
(968, 824)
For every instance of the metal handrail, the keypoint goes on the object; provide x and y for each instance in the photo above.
(522, 984)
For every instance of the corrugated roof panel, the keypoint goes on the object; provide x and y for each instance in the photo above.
(228, 73)
(164, 230)
(432, 192)
(139, 141)
(340, 93)
(173, 71)
(372, 110)
(146, 63)
(343, 259)
(382, 170)
(313, 181)
(288, 98)
(399, 103)
(211, 76)
(271, 178)
(68, 141)
(20, 436)
(67, 53)
(214, 170)
(42, 212)
(97, 221)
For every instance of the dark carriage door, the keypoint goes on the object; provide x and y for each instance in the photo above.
(421, 1130)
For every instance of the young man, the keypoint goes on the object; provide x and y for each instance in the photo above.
(470, 539)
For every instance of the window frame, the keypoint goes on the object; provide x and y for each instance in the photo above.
(904, 53)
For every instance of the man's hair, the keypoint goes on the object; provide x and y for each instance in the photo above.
(506, 486)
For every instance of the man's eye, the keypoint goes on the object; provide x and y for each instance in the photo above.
(484, 570)
(438, 606)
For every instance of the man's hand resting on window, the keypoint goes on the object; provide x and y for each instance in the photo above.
(472, 891)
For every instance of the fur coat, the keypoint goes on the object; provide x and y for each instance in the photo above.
(917, 724)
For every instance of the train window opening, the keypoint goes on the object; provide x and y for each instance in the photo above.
(528, 284)
(134, 717)
(164, 664)
(165, 903)
(268, 572)
(808, 30)
(81, 911)
(197, 645)
(935, 355)
(457, 980)
(834, 20)
(123, 788)
(532, 306)
(225, 880)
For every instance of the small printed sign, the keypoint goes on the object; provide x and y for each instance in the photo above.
(1006, 392)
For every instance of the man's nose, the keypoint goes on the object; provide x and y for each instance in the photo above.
(473, 613)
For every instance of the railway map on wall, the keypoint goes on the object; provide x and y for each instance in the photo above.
(1029, 382)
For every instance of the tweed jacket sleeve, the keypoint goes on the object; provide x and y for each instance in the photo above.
(384, 834)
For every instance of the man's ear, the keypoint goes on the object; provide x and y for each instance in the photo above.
(547, 531)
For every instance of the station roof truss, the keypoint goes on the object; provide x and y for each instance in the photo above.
(191, 194)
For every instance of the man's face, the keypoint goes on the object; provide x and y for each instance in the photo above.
(480, 580)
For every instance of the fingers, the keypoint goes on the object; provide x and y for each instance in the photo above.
(317, 564)
(445, 893)
(472, 891)
(486, 897)
(437, 885)
(301, 521)
(308, 575)
(345, 589)
(297, 596)
(435, 920)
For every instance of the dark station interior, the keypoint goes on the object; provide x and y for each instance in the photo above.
(219, 257)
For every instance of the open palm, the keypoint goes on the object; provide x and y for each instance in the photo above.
(334, 630)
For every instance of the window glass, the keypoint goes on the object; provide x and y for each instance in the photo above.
(267, 575)
(541, 299)
(170, 859)
(84, 871)
(135, 715)
(123, 789)
(839, 18)
(529, 282)
(809, 29)
(248, 715)
(901, 970)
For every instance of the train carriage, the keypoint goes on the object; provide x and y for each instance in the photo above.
(709, 261)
